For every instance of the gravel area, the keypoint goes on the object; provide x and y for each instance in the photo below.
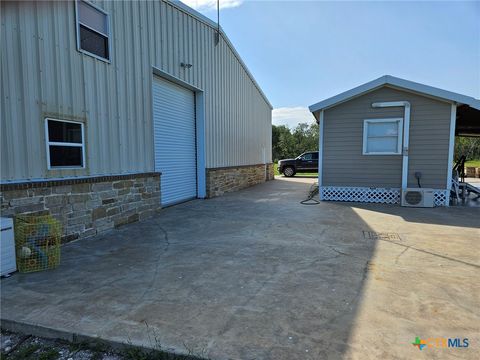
(14, 346)
(17, 346)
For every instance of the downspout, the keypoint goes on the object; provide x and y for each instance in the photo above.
(406, 134)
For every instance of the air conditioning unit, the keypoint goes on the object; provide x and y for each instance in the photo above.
(420, 197)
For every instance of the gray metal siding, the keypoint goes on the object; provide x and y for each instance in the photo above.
(344, 164)
(43, 74)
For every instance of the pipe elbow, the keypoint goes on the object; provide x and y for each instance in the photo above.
(405, 104)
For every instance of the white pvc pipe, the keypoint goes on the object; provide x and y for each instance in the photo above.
(406, 134)
(321, 121)
(451, 147)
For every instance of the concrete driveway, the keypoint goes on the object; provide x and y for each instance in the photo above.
(257, 275)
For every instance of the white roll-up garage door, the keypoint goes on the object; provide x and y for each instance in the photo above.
(174, 127)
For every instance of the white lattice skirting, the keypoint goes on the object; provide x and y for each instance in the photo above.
(442, 197)
(361, 194)
(373, 195)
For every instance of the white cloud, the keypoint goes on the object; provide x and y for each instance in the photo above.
(291, 116)
(208, 5)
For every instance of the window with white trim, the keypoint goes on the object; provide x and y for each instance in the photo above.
(93, 30)
(382, 136)
(65, 144)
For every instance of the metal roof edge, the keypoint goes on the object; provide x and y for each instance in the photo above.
(182, 6)
(400, 83)
(346, 95)
(194, 13)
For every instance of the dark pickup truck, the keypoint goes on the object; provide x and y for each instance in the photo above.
(305, 163)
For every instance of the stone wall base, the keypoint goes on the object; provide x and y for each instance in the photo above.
(229, 179)
(85, 206)
(270, 172)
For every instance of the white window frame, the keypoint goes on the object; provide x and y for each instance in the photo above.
(366, 122)
(107, 35)
(49, 143)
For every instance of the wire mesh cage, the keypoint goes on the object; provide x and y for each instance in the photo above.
(37, 242)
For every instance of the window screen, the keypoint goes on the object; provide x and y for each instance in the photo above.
(93, 42)
(65, 156)
(382, 136)
(61, 131)
(65, 144)
(93, 31)
(92, 17)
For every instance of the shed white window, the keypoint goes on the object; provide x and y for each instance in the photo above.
(382, 136)
(65, 143)
(93, 33)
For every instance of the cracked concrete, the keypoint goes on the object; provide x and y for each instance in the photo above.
(257, 275)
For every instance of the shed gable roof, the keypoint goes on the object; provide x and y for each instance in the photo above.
(396, 83)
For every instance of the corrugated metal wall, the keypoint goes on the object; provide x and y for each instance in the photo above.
(43, 74)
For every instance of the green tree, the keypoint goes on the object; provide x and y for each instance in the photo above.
(288, 143)
(305, 137)
(281, 142)
(468, 146)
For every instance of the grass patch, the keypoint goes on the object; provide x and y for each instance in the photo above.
(34, 348)
(473, 163)
(307, 174)
(134, 353)
(50, 354)
(24, 352)
(297, 174)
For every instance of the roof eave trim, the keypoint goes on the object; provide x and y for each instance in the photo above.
(334, 100)
(401, 84)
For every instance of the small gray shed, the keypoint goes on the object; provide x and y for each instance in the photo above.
(376, 137)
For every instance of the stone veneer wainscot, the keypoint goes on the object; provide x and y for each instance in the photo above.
(85, 206)
(229, 179)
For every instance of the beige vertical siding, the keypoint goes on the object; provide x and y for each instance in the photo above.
(344, 164)
(43, 74)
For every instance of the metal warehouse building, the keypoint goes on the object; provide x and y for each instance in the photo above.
(111, 110)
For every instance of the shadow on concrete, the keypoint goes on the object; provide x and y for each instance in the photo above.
(459, 216)
(307, 176)
(251, 275)
(301, 176)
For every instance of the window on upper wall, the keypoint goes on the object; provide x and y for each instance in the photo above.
(65, 144)
(382, 136)
(93, 33)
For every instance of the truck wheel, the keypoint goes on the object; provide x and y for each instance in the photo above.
(288, 171)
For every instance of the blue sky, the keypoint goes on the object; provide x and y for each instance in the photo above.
(301, 52)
